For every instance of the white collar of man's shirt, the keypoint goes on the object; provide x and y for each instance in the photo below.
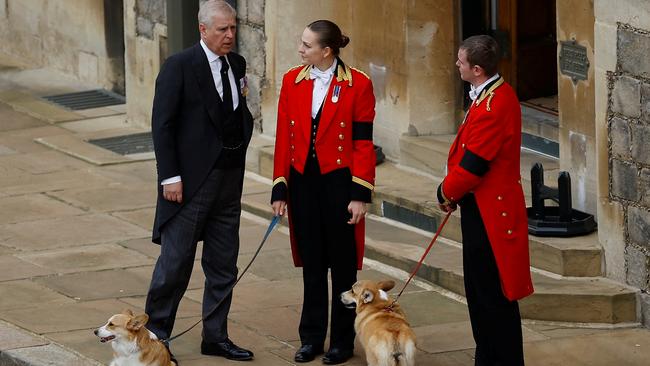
(208, 52)
(316, 73)
(474, 92)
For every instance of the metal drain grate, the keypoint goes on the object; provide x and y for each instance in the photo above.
(126, 144)
(86, 99)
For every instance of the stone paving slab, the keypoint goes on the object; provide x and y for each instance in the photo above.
(12, 337)
(26, 293)
(83, 229)
(96, 124)
(49, 318)
(42, 162)
(77, 147)
(88, 286)
(15, 268)
(87, 258)
(630, 348)
(21, 184)
(33, 207)
(50, 354)
(12, 120)
(115, 197)
(37, 107)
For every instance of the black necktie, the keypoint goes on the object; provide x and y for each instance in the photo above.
(225, 84)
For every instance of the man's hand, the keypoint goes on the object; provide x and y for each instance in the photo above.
(447, 207)
(279, 208)
(173, 192)
(358, 211)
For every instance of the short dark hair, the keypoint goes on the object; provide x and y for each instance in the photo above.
(482, 50)
(329, 35)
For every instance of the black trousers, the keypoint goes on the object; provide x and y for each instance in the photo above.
(496, 323)
(213, 214)
(318, 208)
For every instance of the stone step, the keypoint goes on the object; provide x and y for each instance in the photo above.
(429, 155)
(580, 300)
(408, 197)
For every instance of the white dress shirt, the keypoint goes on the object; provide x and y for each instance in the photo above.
(215, 67)
(322, 81)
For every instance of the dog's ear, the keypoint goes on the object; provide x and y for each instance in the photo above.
(138, 322)
(386, 285)
(127, 312)
(367, 296)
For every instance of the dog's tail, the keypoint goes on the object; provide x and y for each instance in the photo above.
(403, 357)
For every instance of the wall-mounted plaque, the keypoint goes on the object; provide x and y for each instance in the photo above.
(573, 60)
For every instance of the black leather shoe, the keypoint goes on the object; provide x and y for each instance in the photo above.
(226, 349)
(307, 352)
(337, 355)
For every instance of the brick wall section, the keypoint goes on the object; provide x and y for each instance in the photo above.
(629, 153)
(251, 44)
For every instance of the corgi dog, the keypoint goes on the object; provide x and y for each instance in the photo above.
(133, 344)
(383, 331)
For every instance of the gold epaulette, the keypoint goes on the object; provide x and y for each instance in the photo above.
(303, 74)
(361, 72)
(293, 68)
(489, 94)
(344, 74)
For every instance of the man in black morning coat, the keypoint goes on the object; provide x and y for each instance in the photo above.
(201, 128)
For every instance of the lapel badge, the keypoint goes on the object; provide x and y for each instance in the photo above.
(336, 93)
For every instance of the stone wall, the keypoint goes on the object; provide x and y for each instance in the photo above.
(407, 47)
(66, 35)
(629, 156)
(251, 44)
(145, 30)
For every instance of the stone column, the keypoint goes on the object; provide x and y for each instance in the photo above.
(251, 44)
(145, 38)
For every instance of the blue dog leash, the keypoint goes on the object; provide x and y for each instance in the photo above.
(272, 225)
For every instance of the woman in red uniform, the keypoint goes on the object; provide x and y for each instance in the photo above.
(324, 172)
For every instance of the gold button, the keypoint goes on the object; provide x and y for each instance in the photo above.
(500, 198)
(341, 137)
(519, 181)
(338, 161)
(504, 214)
(342, 124)
(293, 160)
(509, 232)
(293, 147)
(293, 123)
(313, 155)
(463, 146)
(340, 148)
(291, 134)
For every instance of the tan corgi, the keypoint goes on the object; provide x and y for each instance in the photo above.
(383, 331)
(133, 344)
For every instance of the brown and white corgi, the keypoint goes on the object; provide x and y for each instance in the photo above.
(383, 330)
(133, 344)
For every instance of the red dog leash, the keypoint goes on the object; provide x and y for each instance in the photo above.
(417, 267)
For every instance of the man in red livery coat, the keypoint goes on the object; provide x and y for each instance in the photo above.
(324, 169)
(483, 177)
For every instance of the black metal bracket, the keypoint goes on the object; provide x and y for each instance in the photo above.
(561, 220)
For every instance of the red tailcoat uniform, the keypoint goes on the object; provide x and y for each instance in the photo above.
(343, 140)
(484, 159)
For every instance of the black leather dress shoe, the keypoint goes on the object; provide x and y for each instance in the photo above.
(337, 355)
(307, 352)
(226, 349)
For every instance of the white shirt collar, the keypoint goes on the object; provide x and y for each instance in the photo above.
(315, 72)
(474, 92)
(211, 55)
